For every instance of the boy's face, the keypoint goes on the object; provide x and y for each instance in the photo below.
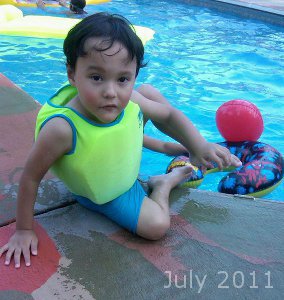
(104, 81)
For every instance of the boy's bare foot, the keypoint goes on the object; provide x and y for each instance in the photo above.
(172, 179)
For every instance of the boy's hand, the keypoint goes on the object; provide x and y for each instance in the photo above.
(21, 243)
(211, 152)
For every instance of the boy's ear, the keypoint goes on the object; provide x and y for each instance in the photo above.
(70, 74)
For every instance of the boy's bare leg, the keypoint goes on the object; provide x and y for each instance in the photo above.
(152, 93)
(154, 219)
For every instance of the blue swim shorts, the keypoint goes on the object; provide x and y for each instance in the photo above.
(124, 210)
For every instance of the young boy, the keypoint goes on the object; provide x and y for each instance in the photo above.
(90, 134)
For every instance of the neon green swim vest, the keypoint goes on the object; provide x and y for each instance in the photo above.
(105, 158)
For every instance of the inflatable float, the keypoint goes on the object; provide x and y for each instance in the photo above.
(32, 3)
(262, 170)
(240, 123)
(12, 22)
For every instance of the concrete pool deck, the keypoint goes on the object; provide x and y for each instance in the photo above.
(218, 246)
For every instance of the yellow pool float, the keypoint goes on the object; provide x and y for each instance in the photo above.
(12, 22)
(32, 3)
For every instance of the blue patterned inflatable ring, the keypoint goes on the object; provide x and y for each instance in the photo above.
(261, 172)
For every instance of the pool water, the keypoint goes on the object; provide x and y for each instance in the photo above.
(198, 59)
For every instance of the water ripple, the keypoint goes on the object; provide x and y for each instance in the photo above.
(199, 59)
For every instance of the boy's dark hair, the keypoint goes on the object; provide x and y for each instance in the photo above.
(77, 6)
(112, 28)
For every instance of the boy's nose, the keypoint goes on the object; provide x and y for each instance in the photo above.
(109, 91)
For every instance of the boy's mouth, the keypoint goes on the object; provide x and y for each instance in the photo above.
(109, 107)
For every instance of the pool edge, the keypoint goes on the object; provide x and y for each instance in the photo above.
(243, 9)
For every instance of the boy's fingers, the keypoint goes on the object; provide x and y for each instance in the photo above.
(17, 257)
(222, 163)
(34, 245)
(213, 157)
(27, 256)
(225, 156)
(228, 159)
(3, 249)
(208, 163)
(235, 161)
(8, 256)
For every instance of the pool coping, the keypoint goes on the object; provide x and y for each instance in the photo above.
(243, 9)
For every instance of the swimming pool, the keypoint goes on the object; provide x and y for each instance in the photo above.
(198, 59)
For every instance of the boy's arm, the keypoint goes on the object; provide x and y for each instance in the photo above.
(174, 123)
(54, 140)
(168, 148)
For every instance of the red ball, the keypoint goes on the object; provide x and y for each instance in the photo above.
(239, 120)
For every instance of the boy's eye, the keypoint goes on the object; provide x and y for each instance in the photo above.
(96, 77)
(123, 79)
